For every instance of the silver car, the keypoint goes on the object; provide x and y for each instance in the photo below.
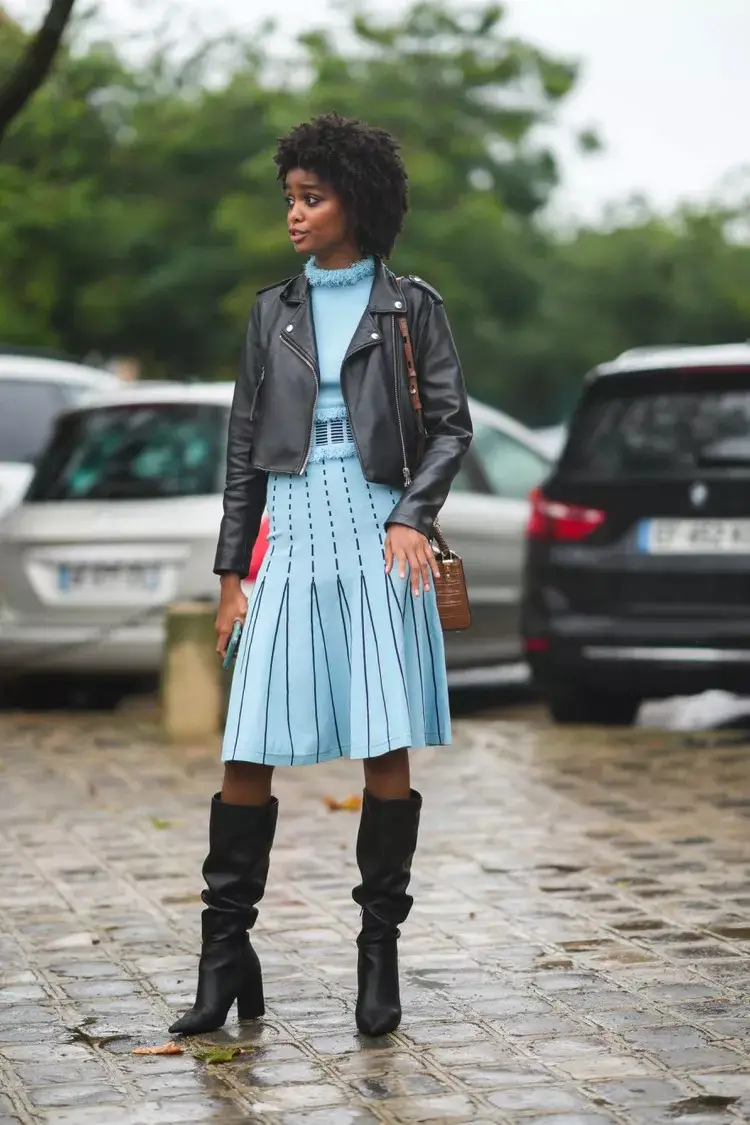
(122, 518)
(484, 520)
(33, 390)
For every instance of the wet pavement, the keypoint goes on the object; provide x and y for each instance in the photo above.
(579, 951)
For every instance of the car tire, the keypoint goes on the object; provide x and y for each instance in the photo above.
(568, 704)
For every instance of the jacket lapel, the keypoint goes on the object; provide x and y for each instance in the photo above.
(386, 298)
(299, 329)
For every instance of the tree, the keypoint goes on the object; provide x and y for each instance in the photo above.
(35, 63)
(139, 211)
(646, 279)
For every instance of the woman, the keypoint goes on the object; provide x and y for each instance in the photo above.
(341, 652)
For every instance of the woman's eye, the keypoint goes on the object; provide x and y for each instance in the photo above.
(312, 201)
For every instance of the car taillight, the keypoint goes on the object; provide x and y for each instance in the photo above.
(556, 522)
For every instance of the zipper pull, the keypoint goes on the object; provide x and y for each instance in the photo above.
(407, 476)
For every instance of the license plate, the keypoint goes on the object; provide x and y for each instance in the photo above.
(695, 537)
(105, 578)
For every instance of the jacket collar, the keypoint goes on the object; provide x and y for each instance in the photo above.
(385, 297)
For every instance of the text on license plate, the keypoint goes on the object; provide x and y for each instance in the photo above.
(694, 537)
(104, 577)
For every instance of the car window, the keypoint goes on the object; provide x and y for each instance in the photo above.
(512, 469)
(28, 408)
(662, 423)
(134, 452)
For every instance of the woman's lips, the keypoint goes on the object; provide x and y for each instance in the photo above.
(297, 235)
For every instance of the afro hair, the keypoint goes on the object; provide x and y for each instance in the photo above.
(363, 166)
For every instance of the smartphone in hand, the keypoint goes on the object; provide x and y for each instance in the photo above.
(232, 644)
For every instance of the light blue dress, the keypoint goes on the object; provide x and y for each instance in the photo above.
(337, 660)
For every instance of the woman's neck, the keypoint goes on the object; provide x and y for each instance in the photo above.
(338, 259)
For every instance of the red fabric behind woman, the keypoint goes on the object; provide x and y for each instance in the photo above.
(259, 550)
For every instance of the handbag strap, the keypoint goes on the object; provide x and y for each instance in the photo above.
(411, 370)
(411, 374)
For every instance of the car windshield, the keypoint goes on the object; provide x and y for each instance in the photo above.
(134, 452)
(512, 469)
(27, 413)
(678, 422)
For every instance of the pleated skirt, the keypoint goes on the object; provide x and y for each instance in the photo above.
(337, 659)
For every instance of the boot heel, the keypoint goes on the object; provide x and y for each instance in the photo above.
(250, 1001)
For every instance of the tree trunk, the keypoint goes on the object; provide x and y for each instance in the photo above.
(36, 63)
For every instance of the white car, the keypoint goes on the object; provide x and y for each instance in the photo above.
(123, 514)
(33, 390)
(121, 519)
(552, 439)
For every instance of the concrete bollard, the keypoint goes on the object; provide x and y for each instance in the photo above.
(193, 683)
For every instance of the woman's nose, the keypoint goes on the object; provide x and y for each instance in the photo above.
(295, 214)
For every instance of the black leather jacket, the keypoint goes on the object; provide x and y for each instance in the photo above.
(271, 423)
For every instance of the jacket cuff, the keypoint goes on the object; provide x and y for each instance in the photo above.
(229, 560)
(420, 521)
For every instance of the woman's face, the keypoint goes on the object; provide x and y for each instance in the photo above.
(317, 221)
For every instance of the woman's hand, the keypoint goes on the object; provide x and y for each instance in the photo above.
(232, 607)
(406, 546)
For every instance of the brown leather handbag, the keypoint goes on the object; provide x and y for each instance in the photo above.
(450, 589)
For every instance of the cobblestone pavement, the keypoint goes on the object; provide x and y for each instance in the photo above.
(579, 952)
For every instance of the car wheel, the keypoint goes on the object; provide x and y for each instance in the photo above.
(567, 704)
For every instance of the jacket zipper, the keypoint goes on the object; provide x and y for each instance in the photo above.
(298, 352)
(406, 471)
(256, 396)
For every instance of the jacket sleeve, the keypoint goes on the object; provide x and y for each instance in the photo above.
(447, 423)
(245, 487)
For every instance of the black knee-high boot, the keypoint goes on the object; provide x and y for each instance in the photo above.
(235, 870)
(385, 848)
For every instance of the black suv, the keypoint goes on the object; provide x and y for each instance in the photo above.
(637, 578)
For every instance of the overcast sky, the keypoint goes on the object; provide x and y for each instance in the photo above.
(666, 82)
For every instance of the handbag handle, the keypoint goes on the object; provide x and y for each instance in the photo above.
(411, 374)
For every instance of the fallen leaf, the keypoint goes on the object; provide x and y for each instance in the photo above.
(220, 1054)
(349, 804)
(160, 825)
(165, 1049)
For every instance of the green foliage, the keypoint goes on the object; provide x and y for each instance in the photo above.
(139, 211)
